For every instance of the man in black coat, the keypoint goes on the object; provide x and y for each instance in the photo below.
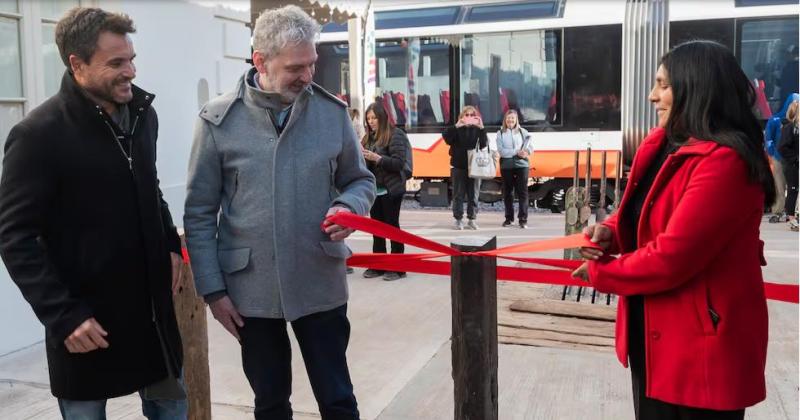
(85, 232)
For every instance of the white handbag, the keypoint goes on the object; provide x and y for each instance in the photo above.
(481, 163)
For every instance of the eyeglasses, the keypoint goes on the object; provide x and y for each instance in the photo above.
(470, 115)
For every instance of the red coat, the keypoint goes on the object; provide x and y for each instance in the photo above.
(699, 251)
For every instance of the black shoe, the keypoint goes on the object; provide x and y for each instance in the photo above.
(508, 223)
(523, 225)
(349, 270)
(370, 273)
(393, 275)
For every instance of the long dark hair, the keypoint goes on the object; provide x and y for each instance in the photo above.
(384, 134)
(712, 99)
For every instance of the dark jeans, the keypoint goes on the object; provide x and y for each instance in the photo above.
(790, 171)
(652, 409)
(387, 210)
(267, 362)
(515, 180)
(464, 187)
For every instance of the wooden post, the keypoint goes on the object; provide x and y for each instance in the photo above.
(191, 313)
(473, 290)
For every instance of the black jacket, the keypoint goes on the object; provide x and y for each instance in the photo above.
(396, 164)
(461, 140)
(788, 144)
(84, 235)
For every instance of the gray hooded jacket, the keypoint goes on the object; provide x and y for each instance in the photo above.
(255, 201)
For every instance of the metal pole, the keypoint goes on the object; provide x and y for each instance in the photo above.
(600, 214)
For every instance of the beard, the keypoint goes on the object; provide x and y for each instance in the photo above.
(286, 92)
(108, 92)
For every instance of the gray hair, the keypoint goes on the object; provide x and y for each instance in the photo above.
(277, 28)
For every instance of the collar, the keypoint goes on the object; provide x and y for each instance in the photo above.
(74, 94)
(253, 94)
(693, 146)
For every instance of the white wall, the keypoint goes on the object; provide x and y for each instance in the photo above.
(177, 44)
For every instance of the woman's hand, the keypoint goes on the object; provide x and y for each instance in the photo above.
(523, 154)
(599, 234)
(460, 123)
(370, 155)
(582, 272)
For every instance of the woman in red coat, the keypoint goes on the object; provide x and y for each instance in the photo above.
(683, 251)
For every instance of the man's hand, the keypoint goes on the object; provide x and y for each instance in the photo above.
(602, 236)
(582, 272)
(227, 315)
(337, 232)
(177, 270)
(87, 337)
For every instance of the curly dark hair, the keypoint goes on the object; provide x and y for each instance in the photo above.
(78, 30)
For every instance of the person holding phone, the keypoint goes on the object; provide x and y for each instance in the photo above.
(463, 137)
(515, 148)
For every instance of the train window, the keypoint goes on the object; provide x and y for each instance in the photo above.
(435, 16)
(334, 27)
(720, 30)
(767, 51)
(513, 71)
(516, 11)
(592, 77)
(413, 81)
(746, 3)
(333, 69)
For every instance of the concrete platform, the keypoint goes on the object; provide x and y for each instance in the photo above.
(400, 351)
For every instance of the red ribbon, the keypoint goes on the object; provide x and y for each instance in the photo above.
(421, 263)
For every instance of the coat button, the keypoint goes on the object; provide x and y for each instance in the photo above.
(655, 335)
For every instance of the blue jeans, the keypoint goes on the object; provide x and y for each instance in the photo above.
(96, 410)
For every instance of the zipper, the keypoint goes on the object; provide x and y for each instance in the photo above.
(127, 157)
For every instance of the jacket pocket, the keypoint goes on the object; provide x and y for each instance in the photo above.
(709, 317)
(235, 188)
(336, 249)
(233, 260)
(332, 192)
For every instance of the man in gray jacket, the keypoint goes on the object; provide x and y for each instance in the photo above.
(270, 161)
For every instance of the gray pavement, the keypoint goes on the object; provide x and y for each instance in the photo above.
(400, 351)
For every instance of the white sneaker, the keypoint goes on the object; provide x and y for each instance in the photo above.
(459, 225)
(472, 225)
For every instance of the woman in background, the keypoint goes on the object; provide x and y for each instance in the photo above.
(788, 149)
(463, 137)
(515, 147)
(388, 154)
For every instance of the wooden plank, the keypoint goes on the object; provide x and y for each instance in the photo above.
(566, 308)
(556, 324)
(555, 336)
(554, 344)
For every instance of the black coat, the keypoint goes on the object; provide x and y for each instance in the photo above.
(84, 235)
(461, 140)
(396, 164)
